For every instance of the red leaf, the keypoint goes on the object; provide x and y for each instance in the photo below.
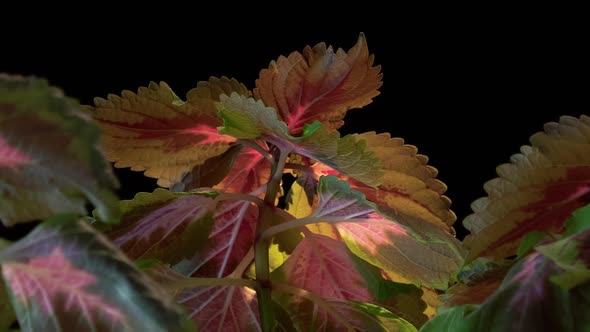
(319, 84)
(155, 131)
(250, 171)
(222, 308)
(324, 267)
(230, 239)
(537, 191)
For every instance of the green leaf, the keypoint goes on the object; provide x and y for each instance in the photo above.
(346, 155)
(529, 241)
(391, 321)
(7, 315)
(50, 155)
(572, 255)
(579, 221)
(246, 118)
(452, 320)
(64, 276)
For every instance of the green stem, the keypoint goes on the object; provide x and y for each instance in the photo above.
(261, 260)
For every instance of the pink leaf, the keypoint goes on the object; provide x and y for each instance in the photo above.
(55, 285)
(230, 239)
(64, 276)
(11, 157)
(222, 308)
(324, 267)
(250, 171)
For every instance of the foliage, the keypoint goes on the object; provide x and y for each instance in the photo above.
(363, 238)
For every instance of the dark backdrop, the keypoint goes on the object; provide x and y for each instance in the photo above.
(467, 96)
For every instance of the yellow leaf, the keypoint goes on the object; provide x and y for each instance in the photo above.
(537, 191)
(155, 131)
(409, 184)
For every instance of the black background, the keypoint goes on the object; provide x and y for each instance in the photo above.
(467, 94)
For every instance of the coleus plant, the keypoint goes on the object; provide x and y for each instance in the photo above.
(362, 239)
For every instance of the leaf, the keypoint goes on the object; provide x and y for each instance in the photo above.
(344, 154)
(529, 242)
(163, 225)
(319, 84)
(535, 302)
(537, 191)
(227, 308)
(7, 315)
(327, 268)
(49, 155)
(312, 313)
(477, 282)
(407, 248)
(65, 276)
(299, 207)
(324, 267)
(231, 237)
(250, 172)
(220, 307)
(210, 173)
(408, 185)
(572, 254)
(579, 221)
(155, 131)
(451, 320)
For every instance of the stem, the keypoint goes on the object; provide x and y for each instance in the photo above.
(261, 260)
(255, 146)
(244, 263)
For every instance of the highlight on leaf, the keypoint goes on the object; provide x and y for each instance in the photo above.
(66, 276)
(536, 191)
(50, 160)
(408, 249)
(326, 267)
(155, 131)
(407, 183)
(320, 84)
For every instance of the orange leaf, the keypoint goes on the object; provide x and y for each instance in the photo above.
(537, 191)
(319, 84)
(155, 131)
